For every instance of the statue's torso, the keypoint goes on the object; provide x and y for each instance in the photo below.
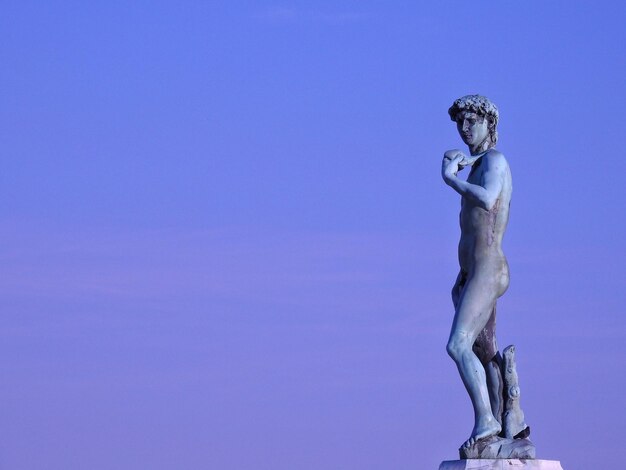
(481, 230)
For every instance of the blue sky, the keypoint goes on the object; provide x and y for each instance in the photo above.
(226, 242)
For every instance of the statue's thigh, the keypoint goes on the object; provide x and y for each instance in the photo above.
(458, 288)
(474, 308)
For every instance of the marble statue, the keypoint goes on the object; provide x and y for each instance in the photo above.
(490, 380)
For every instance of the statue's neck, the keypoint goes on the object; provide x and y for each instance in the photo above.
(481, 148)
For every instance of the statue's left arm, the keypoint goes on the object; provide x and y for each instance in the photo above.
(487, 192)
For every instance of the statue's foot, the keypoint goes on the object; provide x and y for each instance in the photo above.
(483, 430)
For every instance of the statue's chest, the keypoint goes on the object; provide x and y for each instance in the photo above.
(476, 174)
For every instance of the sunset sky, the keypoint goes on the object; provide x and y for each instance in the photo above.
(226, 243)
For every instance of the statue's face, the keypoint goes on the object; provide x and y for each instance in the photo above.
(473, 128)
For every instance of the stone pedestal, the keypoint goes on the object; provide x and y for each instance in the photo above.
(500, 464)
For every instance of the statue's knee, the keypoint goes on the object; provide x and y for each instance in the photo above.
(457, 347)
(451, 350)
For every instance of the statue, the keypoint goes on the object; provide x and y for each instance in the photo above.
(482, 279)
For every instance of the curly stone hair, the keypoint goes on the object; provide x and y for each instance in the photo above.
(483, 107)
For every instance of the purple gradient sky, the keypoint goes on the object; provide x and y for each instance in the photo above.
(226, 243)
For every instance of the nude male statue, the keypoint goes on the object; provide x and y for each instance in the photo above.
(484, 273)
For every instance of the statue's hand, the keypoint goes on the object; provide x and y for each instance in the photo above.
(450, 154)
(452, 163)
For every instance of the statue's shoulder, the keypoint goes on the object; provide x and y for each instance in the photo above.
(495, 157)
(494, 154)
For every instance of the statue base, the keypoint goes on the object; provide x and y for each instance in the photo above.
(500, 464)
(495, 447)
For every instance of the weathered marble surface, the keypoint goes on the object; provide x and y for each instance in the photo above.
(500, 464)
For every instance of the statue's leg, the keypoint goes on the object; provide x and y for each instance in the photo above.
(486, 348)
(457, 288)
(495, 384)
(473, 312)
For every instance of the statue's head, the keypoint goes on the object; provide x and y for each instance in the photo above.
(477, 119)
